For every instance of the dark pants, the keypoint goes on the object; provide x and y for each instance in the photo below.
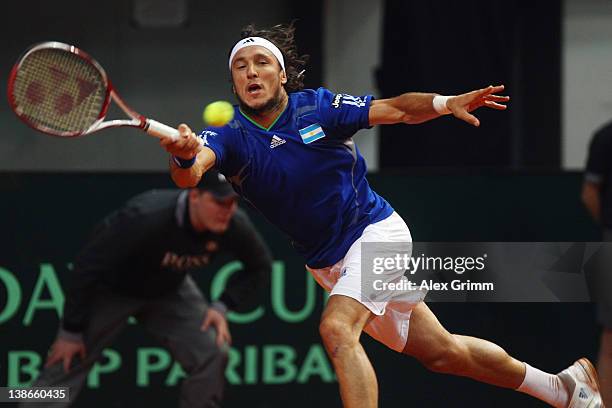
(173, 319)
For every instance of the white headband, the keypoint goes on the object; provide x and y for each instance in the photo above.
(262, 42)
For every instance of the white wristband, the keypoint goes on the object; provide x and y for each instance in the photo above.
(439, 104)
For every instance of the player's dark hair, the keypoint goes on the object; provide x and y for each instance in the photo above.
(282, 35)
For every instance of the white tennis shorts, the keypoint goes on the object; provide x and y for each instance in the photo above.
(392, 316)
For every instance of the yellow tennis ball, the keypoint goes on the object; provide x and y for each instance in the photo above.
(218, 113)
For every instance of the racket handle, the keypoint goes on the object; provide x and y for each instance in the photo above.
(161, 131)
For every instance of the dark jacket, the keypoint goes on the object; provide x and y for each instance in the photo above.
(146, 248)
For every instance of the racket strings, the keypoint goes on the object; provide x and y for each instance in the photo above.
(59, 90)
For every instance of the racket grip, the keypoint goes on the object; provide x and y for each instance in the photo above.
(161, 131)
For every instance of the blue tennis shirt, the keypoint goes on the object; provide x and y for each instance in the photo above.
(304, 173)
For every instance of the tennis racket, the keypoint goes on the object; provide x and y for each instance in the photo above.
(60, 90)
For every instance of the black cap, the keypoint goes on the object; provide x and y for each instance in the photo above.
(217, 184)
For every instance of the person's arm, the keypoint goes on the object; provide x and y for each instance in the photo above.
(415, 107)
(89, 267)
(104, 249)
(590, 199)
(251, 250)
(186, 148)
(112, 242)
(597, 168)
(109, 245)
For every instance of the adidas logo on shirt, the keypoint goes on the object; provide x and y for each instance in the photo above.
(276, 141)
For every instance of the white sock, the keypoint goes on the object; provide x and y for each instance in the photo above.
(544, 386)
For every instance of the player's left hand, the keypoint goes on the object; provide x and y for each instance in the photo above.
(462, 105)
(217, 320)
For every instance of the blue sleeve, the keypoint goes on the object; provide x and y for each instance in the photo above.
(345, 114)
(217, 139)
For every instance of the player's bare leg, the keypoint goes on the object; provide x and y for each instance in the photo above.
(443, 352)
(605, 366)
(341, 325)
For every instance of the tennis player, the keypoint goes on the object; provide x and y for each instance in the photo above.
(289, 152)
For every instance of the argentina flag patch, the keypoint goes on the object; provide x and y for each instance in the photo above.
(311, 133)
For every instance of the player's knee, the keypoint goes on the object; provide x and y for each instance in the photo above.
(337, 334)
(450, 358)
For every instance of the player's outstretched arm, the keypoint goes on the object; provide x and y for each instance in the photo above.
(187, 147)
(415, 107)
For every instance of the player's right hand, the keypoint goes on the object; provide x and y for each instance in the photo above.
(64, 350)
(187, 146)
